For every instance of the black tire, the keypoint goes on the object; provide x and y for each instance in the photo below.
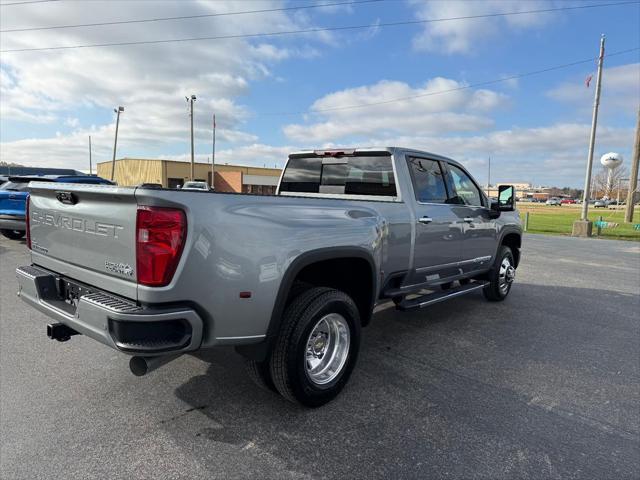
(498, 288)
(288, 359)
(260, 373)
(13, 234)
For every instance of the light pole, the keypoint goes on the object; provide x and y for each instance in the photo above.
(191, 100)
(620, 180)
(117, 111)
(489, 178)
(90, 167)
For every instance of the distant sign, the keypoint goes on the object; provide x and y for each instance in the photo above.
(603, 224)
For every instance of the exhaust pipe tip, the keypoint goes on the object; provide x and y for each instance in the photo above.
(140, 366)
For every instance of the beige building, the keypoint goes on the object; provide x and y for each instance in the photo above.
(171, 173)
(523, 190)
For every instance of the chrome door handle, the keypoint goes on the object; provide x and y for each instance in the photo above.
(468, 219)
(425, 220)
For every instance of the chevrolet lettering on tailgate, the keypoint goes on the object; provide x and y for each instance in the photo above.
(90, 227)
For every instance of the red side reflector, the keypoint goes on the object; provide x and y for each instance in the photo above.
(27, 220)
(160, 238)
(245, 294)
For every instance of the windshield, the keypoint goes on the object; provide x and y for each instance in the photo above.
(200, 185)
(361, 175)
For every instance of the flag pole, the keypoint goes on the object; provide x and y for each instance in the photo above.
(213, 153)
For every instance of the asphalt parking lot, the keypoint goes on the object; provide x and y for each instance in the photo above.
(544, 385)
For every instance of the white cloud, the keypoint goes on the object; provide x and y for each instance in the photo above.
(462, 36)
(72, 122)
(150, 81)
(551, 155)
(424, 113)
(457, 124)
(620, 90)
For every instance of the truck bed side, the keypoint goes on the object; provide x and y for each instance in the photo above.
(235, 243)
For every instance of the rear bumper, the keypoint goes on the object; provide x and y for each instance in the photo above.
(114, 321)
(12, 222)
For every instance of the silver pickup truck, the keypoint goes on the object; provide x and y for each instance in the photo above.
(289, 279)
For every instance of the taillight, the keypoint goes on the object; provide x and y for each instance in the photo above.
(27, 219)
(160, 237)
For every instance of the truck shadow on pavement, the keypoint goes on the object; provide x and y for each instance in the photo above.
(541, 385)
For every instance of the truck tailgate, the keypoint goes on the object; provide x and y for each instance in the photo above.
(86, 232)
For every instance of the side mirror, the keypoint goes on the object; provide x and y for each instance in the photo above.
(506, 198)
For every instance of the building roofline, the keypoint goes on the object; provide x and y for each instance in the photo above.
(187, 163)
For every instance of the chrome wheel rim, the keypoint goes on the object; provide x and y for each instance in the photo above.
(507, 275)
(327, 348)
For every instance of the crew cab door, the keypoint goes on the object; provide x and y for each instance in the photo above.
(471, 208)
(437, 233)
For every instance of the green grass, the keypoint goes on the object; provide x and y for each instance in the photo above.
(559, 220)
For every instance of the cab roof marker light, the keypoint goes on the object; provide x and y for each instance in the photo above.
(335, 153)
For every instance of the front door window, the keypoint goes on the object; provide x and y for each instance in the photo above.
(465, 191)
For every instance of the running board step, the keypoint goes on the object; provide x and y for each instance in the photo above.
(431, 298)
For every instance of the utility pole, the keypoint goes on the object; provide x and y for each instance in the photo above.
(633, 178)
(191, 99)
(118, 111)
(583, 226)
(213, 154)
(90, 168)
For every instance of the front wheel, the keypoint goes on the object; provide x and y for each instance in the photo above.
(13, 234)
(317, 347)
(501, 276)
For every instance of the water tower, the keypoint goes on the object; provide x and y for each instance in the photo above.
(610, 161)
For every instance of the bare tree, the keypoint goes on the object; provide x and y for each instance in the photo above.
(600, 187)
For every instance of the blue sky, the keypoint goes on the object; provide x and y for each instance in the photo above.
(535, 129)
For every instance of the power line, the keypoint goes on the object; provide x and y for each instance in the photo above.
(313, 30)
(27, 3)
(189, 17)
(449, 90)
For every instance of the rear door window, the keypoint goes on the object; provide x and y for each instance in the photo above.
(360, 175)
(428, 180)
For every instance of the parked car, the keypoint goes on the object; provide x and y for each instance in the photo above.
(553, 201)
(567, 201)
(14, 192)
(195, 185)
(600, 204)
(150, 185)
(289, 280)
